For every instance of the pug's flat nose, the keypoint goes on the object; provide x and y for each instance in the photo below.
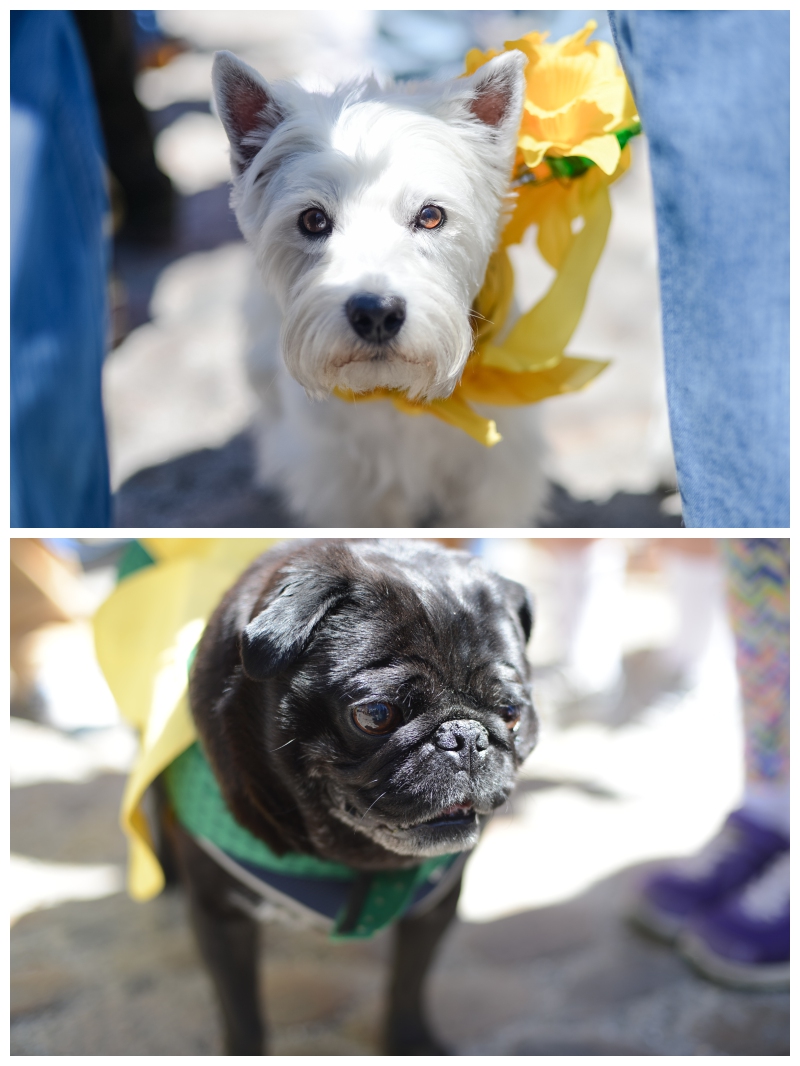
(375, 318)
(465, 737)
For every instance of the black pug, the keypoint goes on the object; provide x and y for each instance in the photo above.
(362, 702)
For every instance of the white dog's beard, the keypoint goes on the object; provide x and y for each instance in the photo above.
(424, 359)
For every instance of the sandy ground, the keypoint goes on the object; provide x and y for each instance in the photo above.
(541, 960)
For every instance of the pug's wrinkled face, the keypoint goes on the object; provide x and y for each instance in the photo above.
(387, 689)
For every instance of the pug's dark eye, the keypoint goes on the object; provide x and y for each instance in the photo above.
(376, 718)
(510, 716)
(315, 222)
(430, 217)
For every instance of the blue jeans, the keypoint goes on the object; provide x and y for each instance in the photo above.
(712, 89)
(59, 265)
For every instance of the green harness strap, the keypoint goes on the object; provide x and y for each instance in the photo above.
(201, 809)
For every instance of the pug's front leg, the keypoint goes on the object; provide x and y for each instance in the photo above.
(416, 941)
(228, 941)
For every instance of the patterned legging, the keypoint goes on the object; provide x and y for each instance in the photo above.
(758, 603)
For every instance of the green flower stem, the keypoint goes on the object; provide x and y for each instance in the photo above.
(572, 166)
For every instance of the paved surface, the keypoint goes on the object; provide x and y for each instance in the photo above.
(113, 977)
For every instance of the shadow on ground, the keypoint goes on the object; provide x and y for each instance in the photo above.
(216, 487)
(203, 221)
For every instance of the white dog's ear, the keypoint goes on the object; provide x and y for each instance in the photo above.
(246, 105)
(494, 94)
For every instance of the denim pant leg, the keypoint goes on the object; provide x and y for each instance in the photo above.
(712, 89)
(59, 263)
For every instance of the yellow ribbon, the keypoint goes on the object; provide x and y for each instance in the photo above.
(144, 634)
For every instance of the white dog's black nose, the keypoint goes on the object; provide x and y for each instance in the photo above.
(375, 318)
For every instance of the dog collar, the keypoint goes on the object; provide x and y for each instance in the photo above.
(345, 901)
(566, 159)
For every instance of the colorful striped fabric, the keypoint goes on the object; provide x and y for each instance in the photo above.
(758, 601)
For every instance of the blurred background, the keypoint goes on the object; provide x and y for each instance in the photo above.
(175, 394)
(640, 758)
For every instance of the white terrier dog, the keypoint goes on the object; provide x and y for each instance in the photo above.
(372, 213)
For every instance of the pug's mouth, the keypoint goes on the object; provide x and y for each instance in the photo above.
(453, 828)
(460, 814)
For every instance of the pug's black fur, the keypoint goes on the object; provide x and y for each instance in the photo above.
(364, 702)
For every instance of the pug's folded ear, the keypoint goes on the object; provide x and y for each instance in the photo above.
(281, 632)
(521, 603)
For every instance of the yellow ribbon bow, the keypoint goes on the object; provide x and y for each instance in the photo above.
(572, 143)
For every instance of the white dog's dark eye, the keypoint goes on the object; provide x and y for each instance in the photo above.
(510, 716)
(376, 718)
(430, 217)
(315, 222)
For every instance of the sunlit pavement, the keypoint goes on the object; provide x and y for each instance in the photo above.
(540, 962)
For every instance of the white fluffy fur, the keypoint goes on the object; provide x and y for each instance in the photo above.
(371, 158)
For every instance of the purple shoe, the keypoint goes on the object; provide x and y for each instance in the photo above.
(744, 942)
(672, 897)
